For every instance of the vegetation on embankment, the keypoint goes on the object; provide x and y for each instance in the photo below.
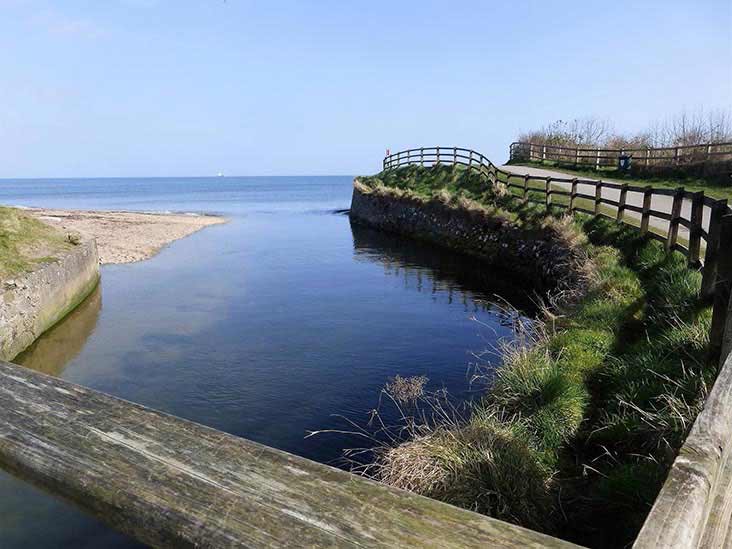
(577, 429)
(26, 242)
(44, 275)
(538, 253)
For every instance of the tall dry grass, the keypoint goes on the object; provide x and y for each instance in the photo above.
(682, 129)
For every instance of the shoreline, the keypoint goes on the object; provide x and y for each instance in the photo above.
(125, 236)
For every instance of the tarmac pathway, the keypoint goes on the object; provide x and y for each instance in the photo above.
(658, 202)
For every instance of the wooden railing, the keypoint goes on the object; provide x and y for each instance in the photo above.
(698, 226)
(172, 483)
(666, 157)
(694, 507)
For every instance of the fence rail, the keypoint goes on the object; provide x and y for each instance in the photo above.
(685, 221)
(694, 507)
(665, 157)
(171, 483)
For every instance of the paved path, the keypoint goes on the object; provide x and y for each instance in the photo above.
(658, 202)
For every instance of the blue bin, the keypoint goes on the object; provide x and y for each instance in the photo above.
(624, 162)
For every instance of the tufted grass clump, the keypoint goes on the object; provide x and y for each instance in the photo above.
(576, 431)
(487, 464)
(406, 390)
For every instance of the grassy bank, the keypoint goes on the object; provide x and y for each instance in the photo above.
(711, 187)
(575, 433)
(26, 242)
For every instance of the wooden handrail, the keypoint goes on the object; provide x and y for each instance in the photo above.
(636, 149)
(645, 157)
(644, 213)
(692, 509)
(169, 482)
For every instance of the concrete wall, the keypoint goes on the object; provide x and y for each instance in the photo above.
(33, 302)
(538, 256)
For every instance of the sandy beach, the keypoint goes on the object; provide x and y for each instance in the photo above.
(126, 237)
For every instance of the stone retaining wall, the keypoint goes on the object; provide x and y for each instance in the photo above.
(539, 256)
(33, 302)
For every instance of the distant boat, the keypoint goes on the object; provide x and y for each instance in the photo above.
(220, 174)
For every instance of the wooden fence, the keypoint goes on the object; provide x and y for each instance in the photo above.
(687, 222)
(663, 157)
(172, 483)
(694, 508)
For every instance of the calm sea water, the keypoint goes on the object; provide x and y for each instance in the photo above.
(265, 327)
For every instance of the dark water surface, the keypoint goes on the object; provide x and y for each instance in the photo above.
(264, 327)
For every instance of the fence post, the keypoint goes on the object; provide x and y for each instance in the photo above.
(648, 154)
(573, 194)
(470, 161)
(646, 213)
(548, 193)
(421, 156)
(526, 188)
(697, 211)
(719, 336)
(621, 202)
(676, 157)
(576, 156)
(709, 152)
(454, 155)
(437, 156)
(597, 159)
(598, 197)
(711, 256)
(543, 154)
(673, 225)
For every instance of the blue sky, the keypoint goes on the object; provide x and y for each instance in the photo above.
(166, 88)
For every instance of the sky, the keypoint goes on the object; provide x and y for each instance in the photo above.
(124, 88)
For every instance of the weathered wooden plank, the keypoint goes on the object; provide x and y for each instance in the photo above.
(682, 512)
(717, 529)
(173, 483)
(673, 226)
(646, 209)
(719, 332)
(621, 203)
(695, 228)
(711, 257)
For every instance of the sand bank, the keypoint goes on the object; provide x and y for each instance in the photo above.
(125, 237)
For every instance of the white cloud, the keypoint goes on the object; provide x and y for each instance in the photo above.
(62, 25)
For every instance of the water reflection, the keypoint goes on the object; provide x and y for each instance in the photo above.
(51, 352)
(444, 275)
(267, 327)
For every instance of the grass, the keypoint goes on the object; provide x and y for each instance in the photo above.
(453, 185)
(26, 242)
(576, 432)
(691, 183)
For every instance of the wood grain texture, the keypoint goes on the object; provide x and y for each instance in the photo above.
(694, 506)
(173, 483)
